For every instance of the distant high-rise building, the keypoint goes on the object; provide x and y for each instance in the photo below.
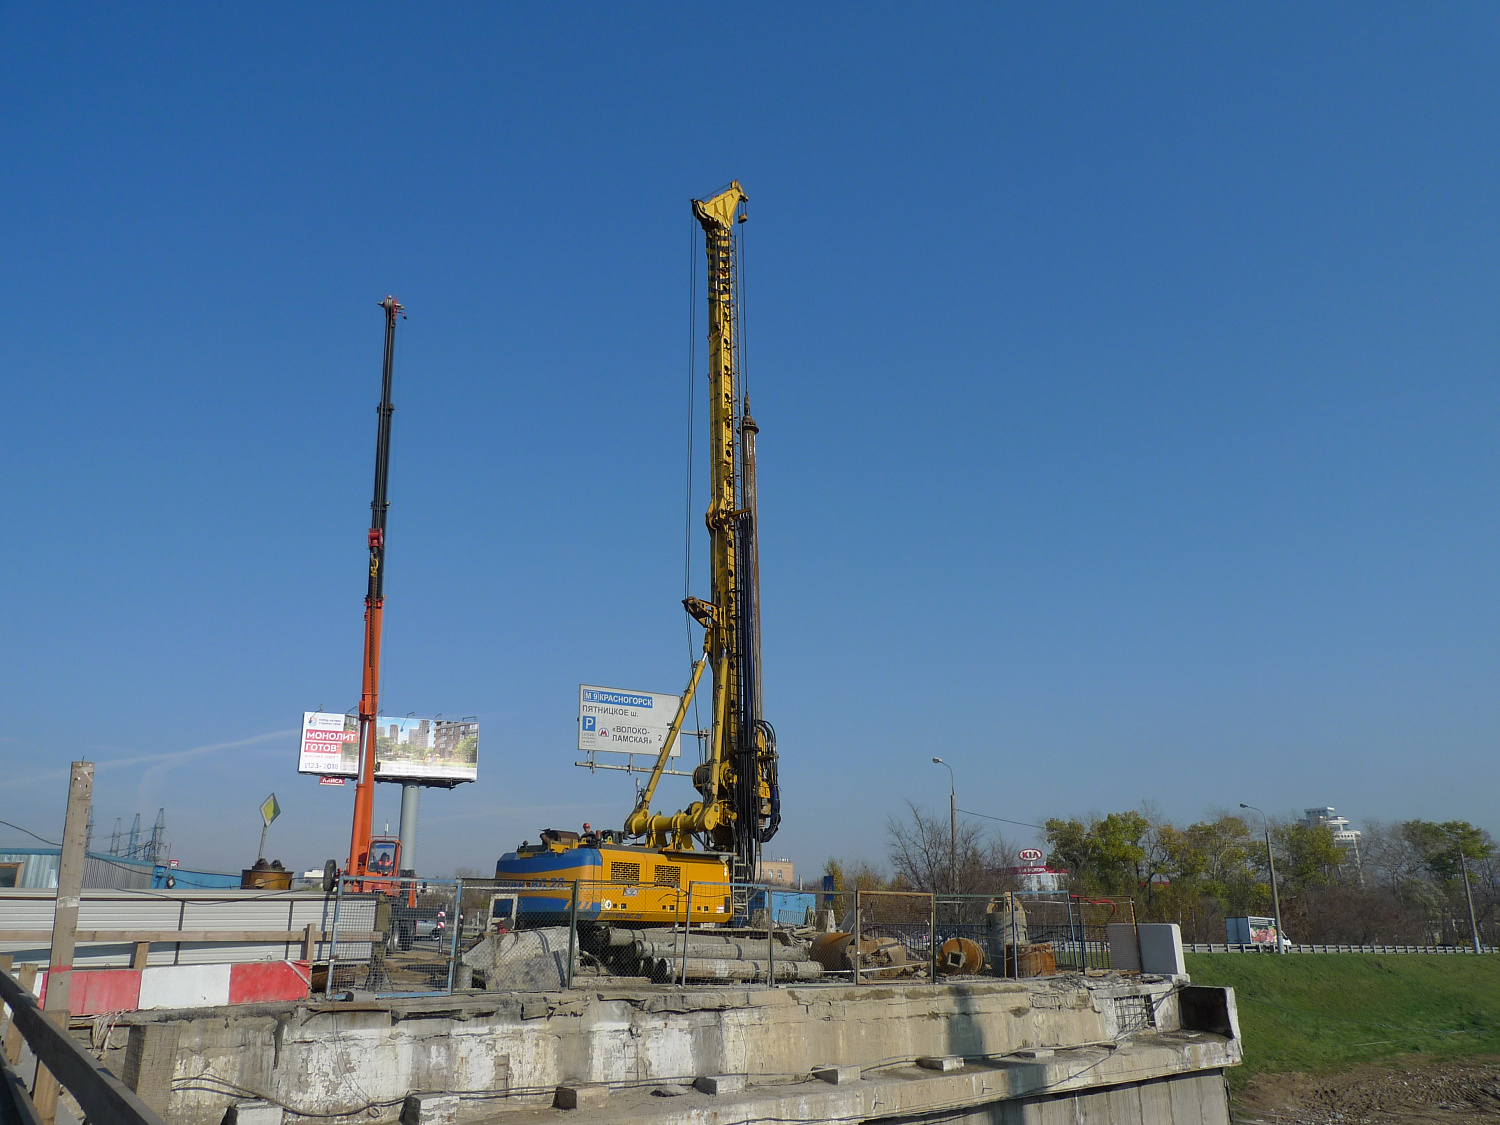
(1344, 836)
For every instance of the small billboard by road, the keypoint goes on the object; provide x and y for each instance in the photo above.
(619, 721)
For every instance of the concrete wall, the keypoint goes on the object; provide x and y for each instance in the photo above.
(515, 1049)
(1192, 1099)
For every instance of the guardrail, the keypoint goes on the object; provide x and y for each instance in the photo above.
(1295, 947)
(105, 1100)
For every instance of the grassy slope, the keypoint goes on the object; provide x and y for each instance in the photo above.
(1326, 1011)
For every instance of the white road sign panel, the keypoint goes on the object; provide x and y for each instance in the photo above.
(618, 721)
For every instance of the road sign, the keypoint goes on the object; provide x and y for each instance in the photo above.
(270, 809)
(618, 721)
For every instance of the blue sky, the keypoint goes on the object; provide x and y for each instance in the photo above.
(1126, 381)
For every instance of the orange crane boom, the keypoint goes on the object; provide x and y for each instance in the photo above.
(369, 696)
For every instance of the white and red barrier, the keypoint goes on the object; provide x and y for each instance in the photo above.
(95, 991)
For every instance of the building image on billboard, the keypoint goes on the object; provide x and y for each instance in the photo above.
(426, 749)
(438, 751)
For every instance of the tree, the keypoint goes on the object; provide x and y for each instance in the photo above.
(921, 855)
(1107, 855)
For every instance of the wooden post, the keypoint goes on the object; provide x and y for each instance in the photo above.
(142, 951)
(310, 942)
(26, 978)
(65, 924)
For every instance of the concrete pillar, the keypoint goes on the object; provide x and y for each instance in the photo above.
(409, 826)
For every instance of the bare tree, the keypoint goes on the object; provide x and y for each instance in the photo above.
(920, 848)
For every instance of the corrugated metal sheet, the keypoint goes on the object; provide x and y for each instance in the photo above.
(39, 869)
(38, 866)
(179, 910)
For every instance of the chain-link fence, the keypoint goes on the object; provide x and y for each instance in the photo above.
(415, 950)
(435, 936)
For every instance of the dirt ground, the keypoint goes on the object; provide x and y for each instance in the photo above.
(1413, 1089)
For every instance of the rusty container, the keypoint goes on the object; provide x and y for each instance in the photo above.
(1037, 960)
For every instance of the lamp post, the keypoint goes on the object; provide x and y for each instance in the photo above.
(952, 825)
(1271, 863)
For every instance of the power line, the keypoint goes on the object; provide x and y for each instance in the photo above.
(1003, 820)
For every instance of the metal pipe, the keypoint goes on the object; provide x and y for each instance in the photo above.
(952, 827)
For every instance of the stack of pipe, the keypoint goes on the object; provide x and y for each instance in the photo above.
(665, 955)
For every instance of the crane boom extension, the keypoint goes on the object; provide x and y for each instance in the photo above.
(740, 806)
(369, 697)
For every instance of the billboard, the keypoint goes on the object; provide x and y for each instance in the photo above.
(617, 721)
(330, 744)
(439, 750)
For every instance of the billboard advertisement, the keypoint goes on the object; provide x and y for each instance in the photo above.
(330, 744)
(617, 721)
(439, 750)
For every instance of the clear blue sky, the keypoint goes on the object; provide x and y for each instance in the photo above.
(1126, 376)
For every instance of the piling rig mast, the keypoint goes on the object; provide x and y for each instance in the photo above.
(740, 806)
(665, 868)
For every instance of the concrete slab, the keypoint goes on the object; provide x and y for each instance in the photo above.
(719, 1084)
(943, 1063)
(254, 1112)
(581, 1097)
(430, 1109)
(836, 1075)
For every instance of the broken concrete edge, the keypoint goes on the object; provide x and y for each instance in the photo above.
(649, 996)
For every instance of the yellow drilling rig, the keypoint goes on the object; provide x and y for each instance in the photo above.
(714, 843)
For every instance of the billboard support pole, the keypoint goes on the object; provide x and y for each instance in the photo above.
(409, 793)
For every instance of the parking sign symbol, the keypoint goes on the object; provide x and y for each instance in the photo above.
(589, 721)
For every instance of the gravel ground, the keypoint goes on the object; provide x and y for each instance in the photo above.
(1414, 1089)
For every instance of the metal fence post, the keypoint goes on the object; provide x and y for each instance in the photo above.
(932, 937)
(1071, 935)
(333, 939)
(854, 938)
(572, 931)
(458, 902)
(771, 933)
(1015, 938)
(687, 933)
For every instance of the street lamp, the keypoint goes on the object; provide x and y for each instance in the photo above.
(1271, 863)
(952, 824)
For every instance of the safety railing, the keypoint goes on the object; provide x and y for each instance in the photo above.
(905, 935)
(1331, 947)
(451, 935)
(61, 1062)
(415, 937)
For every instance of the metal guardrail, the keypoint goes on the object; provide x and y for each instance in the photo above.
(105, 1100)
(1305, 947)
